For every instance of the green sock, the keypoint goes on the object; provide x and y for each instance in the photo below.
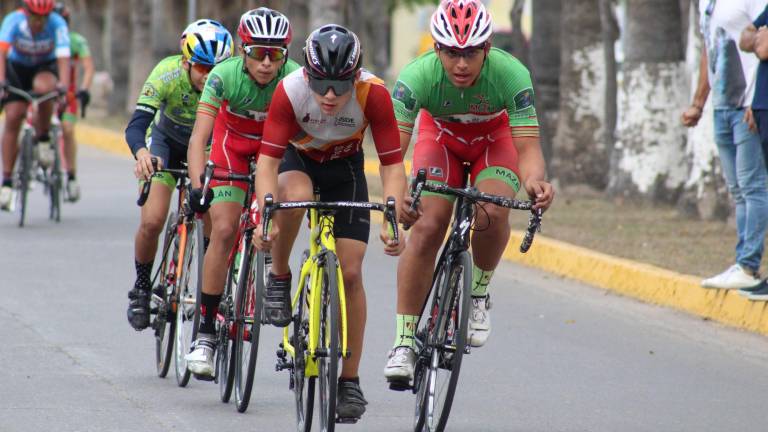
(406, 328)
(480, 280)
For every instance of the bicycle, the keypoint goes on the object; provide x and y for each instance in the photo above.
(175, 301)
(441, 333)
(241, 304)
(27, 166)
(317, 336)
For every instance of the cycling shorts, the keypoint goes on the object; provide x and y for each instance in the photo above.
(70, 112)
(337, 180)
(22, 77)
(443, 152)
(231, 152)
(172, 153)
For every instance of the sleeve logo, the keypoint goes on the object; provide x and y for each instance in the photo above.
(403, 93)
(216, 84)
(524, 99)
(148, 90)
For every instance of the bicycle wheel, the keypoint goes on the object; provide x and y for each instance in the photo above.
(249, 305)
(448, 339)
(187, 301)
(24, 173)
(328, 364)
(164, 322)
(55, 180)
(225, 349)
(303, 387)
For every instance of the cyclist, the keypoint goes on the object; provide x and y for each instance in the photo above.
(34, 57)
(172, 88)
(233, 106)
(316, 126)
(476, 106)
(80, 53)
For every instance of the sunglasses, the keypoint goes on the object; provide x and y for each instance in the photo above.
(202, 68)
(36, 18)
(259, 52)
(339, 87)
(467, 53)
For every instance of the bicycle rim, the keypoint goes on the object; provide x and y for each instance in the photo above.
(452, 332)
(24, 173)
(427, 321)
(249, 326)
(227, 345)
(328, 366)
(303, 387)
(187, 301)
(55, 180)
(164, 322)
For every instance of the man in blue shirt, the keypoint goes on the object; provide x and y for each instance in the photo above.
(34, 57)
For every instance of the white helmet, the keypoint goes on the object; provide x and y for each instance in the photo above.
(461, 24)
(264, 25)
(196, 26)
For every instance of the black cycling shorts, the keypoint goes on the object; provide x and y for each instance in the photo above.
(22, 76)
(172, 152)
(337, 180)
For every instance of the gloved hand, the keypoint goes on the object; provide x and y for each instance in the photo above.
(84, 96)
(194, 200)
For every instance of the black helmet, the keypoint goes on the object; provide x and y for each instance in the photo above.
(332, 53)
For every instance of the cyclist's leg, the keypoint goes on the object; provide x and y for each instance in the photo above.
(45, 81)
(294, 184)
(15, 109)
(68, 121)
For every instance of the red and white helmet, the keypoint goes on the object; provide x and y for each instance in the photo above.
(39, 7)
(461, 24)
(264, 25)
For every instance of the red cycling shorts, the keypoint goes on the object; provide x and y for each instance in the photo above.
(231, 152)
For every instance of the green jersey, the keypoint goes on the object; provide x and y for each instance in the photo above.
(242, 101)
(503, 89)
(78, 46)
(169, 90)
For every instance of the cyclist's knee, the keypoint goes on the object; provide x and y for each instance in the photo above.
(353, 278)
(224, 232)
(497, 217)
(44, 82)
(428, 232)
(68, 127)
(151, 226)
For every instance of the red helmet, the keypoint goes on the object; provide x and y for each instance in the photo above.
(39, 7)
(461, 24)
(264, 25)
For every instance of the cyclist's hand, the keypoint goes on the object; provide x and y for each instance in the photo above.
(390, 248)
(406, 216)
(84, 96)
(541, 192)
(143, 168)
(259, 242)
(691, 116)
(196, 195)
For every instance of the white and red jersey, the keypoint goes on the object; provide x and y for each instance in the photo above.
(295, 118)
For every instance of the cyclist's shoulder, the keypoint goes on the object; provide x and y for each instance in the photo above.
(167, 70)
(422, 73)
(14, 18)
(503, 65)
(77, 37)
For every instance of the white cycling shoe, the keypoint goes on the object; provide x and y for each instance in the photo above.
(6, 198)
(479, 321)
(400, 365)
(200, 360)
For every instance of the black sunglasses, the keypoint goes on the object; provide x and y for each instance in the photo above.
(339, 87)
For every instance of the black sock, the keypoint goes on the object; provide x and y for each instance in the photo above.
(143, 275)
(45, 137)
(355, 380)
(70, 175)
(210, 304)
(7, 181)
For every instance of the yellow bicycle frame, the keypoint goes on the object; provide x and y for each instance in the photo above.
(321, 239)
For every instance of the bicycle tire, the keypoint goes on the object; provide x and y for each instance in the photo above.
(445, 366)
(225, 349)
(164, 323)
(55, 179)
(25, 173)
(303, 387)
(328, 365)
(249, 309)
(187, 300)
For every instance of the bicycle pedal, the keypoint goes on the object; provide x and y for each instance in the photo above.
(400, 385)
(347, 420)
(203, 377)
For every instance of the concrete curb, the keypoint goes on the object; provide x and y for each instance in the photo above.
(641, 281)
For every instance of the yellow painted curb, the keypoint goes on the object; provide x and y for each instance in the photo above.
(642, 281)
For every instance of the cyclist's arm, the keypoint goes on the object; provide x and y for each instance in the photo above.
(88, 71)
(3, 57)
(196, 151)
(387, 139)
(62, 49)
(266, 177)
(7, 35)
(63, 66)
(136, 131)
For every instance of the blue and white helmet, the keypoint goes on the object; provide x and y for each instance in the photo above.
(206, 42)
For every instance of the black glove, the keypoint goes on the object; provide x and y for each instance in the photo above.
(194, 200)
(84, 96)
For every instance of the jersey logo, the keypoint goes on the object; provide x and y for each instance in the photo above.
(482, 105)
(216, 84)
(148, 90)
(344, 121)
(333, 38)
(403, 93)
(305, 118)
(524, 99)
(446, 103)
(436, 172)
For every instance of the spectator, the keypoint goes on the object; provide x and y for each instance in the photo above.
(729, 73)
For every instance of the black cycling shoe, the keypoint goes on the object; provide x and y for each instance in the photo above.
(277, 301)
(138, 308)
(350, 402)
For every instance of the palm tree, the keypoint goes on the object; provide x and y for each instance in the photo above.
(649, 158)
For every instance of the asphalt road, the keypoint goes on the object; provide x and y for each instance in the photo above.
(562, 357)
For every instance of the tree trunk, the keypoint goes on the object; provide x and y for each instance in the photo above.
(545, 68)
(88, 19)
(116, 34)
(323, 12)
(298, 12)
(169, 19)
(579, 154)
(706, 194)
(519, 43)
(649, 162)
(141, 49)
(372, 25)
(610, 32)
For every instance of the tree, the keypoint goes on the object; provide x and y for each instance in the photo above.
(610, 32)
(649, 159)
(326, 12)
(579, 154)
(141, 49)
(545, 67)
(117, 35)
